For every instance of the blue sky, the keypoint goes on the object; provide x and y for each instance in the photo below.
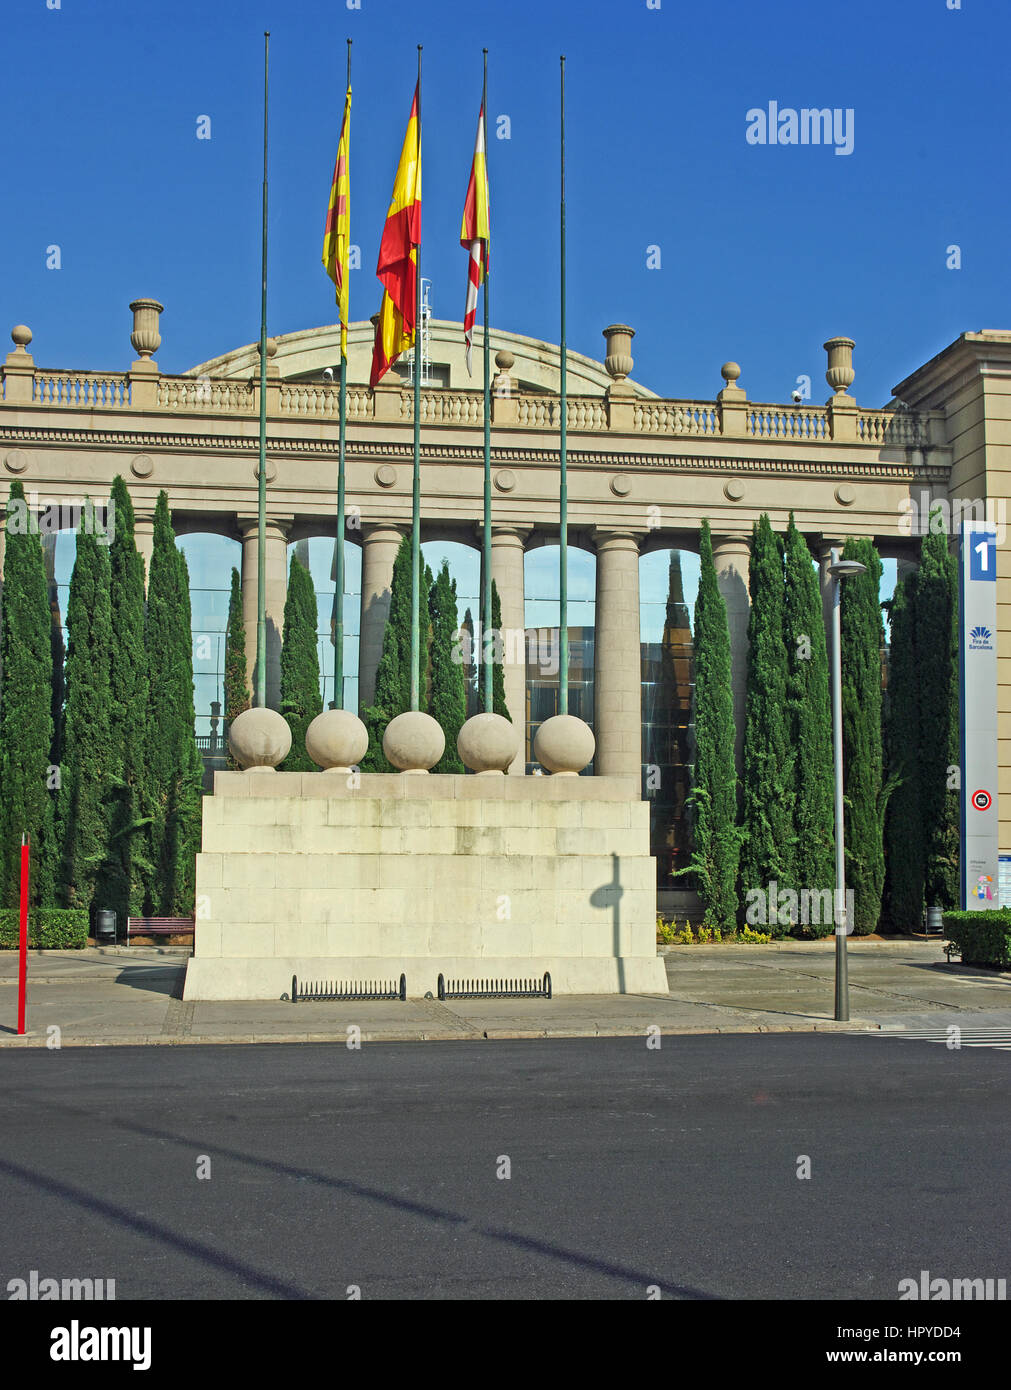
(765, 251)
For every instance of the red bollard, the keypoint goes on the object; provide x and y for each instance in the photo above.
(23, 942)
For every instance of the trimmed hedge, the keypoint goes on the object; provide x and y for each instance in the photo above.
(49, 928)
(981, 938)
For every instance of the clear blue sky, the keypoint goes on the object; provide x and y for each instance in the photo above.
(765, 251)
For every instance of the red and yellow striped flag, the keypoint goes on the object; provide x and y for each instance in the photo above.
(475, 232)
(337, 231)
(398, 256)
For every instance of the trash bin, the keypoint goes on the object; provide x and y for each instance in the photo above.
(935, 920)
(105, 925)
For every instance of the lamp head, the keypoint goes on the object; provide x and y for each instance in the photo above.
(845, 569)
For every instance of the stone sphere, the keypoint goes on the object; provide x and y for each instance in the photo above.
(564, 744)
(259, 739)
(336, 740)
(487, 743)
(414, 742)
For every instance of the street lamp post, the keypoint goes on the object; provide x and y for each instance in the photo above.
(840, 569)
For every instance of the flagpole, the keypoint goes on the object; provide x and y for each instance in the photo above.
(486, 632)
(338, 662)
(416, 513)
(261, 538)
(563, 567)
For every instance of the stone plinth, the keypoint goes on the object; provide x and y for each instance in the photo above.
(382, 874)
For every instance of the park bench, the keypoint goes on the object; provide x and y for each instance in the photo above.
(159, 926)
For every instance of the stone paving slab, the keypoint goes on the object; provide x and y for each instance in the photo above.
(112, 996)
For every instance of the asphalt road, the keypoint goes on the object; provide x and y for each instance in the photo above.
(630, 1168)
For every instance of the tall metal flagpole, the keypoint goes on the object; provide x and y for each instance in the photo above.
(261, 538)
(486, 632)
(563, 566)
(338, 661)
(416, 514)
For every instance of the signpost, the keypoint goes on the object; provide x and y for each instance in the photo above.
(977, 572)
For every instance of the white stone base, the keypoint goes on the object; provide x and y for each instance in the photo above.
(246, 978)
(367, 877)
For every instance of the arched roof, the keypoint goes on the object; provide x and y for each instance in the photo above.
(303, 356)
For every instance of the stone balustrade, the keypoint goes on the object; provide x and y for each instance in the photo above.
(730, 416)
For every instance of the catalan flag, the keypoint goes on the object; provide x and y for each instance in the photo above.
(475, 232)
(398, 256)
(337, 232)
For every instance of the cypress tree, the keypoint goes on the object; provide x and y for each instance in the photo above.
(865, 794)
(173, 772)
(122, 886)
(767, 854)
(236, 678)
(469, 667)
(922, 744)
(905, 855)
(712, 802)
(498, 699)
(393, 675)
(26, 721)
(300, 697)
(809, 724)
(448, 703)
(89, 765)
(937, 670)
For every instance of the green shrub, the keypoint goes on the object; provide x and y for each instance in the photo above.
(49, 928)
(981, 938)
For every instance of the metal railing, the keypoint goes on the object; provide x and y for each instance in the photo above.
(495, 989)
(323, 991)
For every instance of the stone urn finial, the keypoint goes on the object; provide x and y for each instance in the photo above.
(145, 337)
(840, 372)
(502, 385)
(619, 361)
(21, 336)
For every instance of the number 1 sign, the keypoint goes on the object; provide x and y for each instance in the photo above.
(978, 715)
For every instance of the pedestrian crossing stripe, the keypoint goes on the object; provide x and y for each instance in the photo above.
(999, 1038)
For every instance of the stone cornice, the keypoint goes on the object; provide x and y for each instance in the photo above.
(502, 455)
(972, 354)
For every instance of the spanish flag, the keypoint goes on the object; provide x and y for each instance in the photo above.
(398, 256)
(337, 232)
(475, 232)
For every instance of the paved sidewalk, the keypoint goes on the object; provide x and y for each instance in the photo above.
(118, 995)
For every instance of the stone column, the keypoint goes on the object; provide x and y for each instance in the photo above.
(143, 535)
(617, 676)
(507, 571)
(380, 544)
(732, 559)
(904, 568)
(276, 573)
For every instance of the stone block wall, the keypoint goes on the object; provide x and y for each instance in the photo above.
(326, 876)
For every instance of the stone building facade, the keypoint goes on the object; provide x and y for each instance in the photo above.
(643, 472)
